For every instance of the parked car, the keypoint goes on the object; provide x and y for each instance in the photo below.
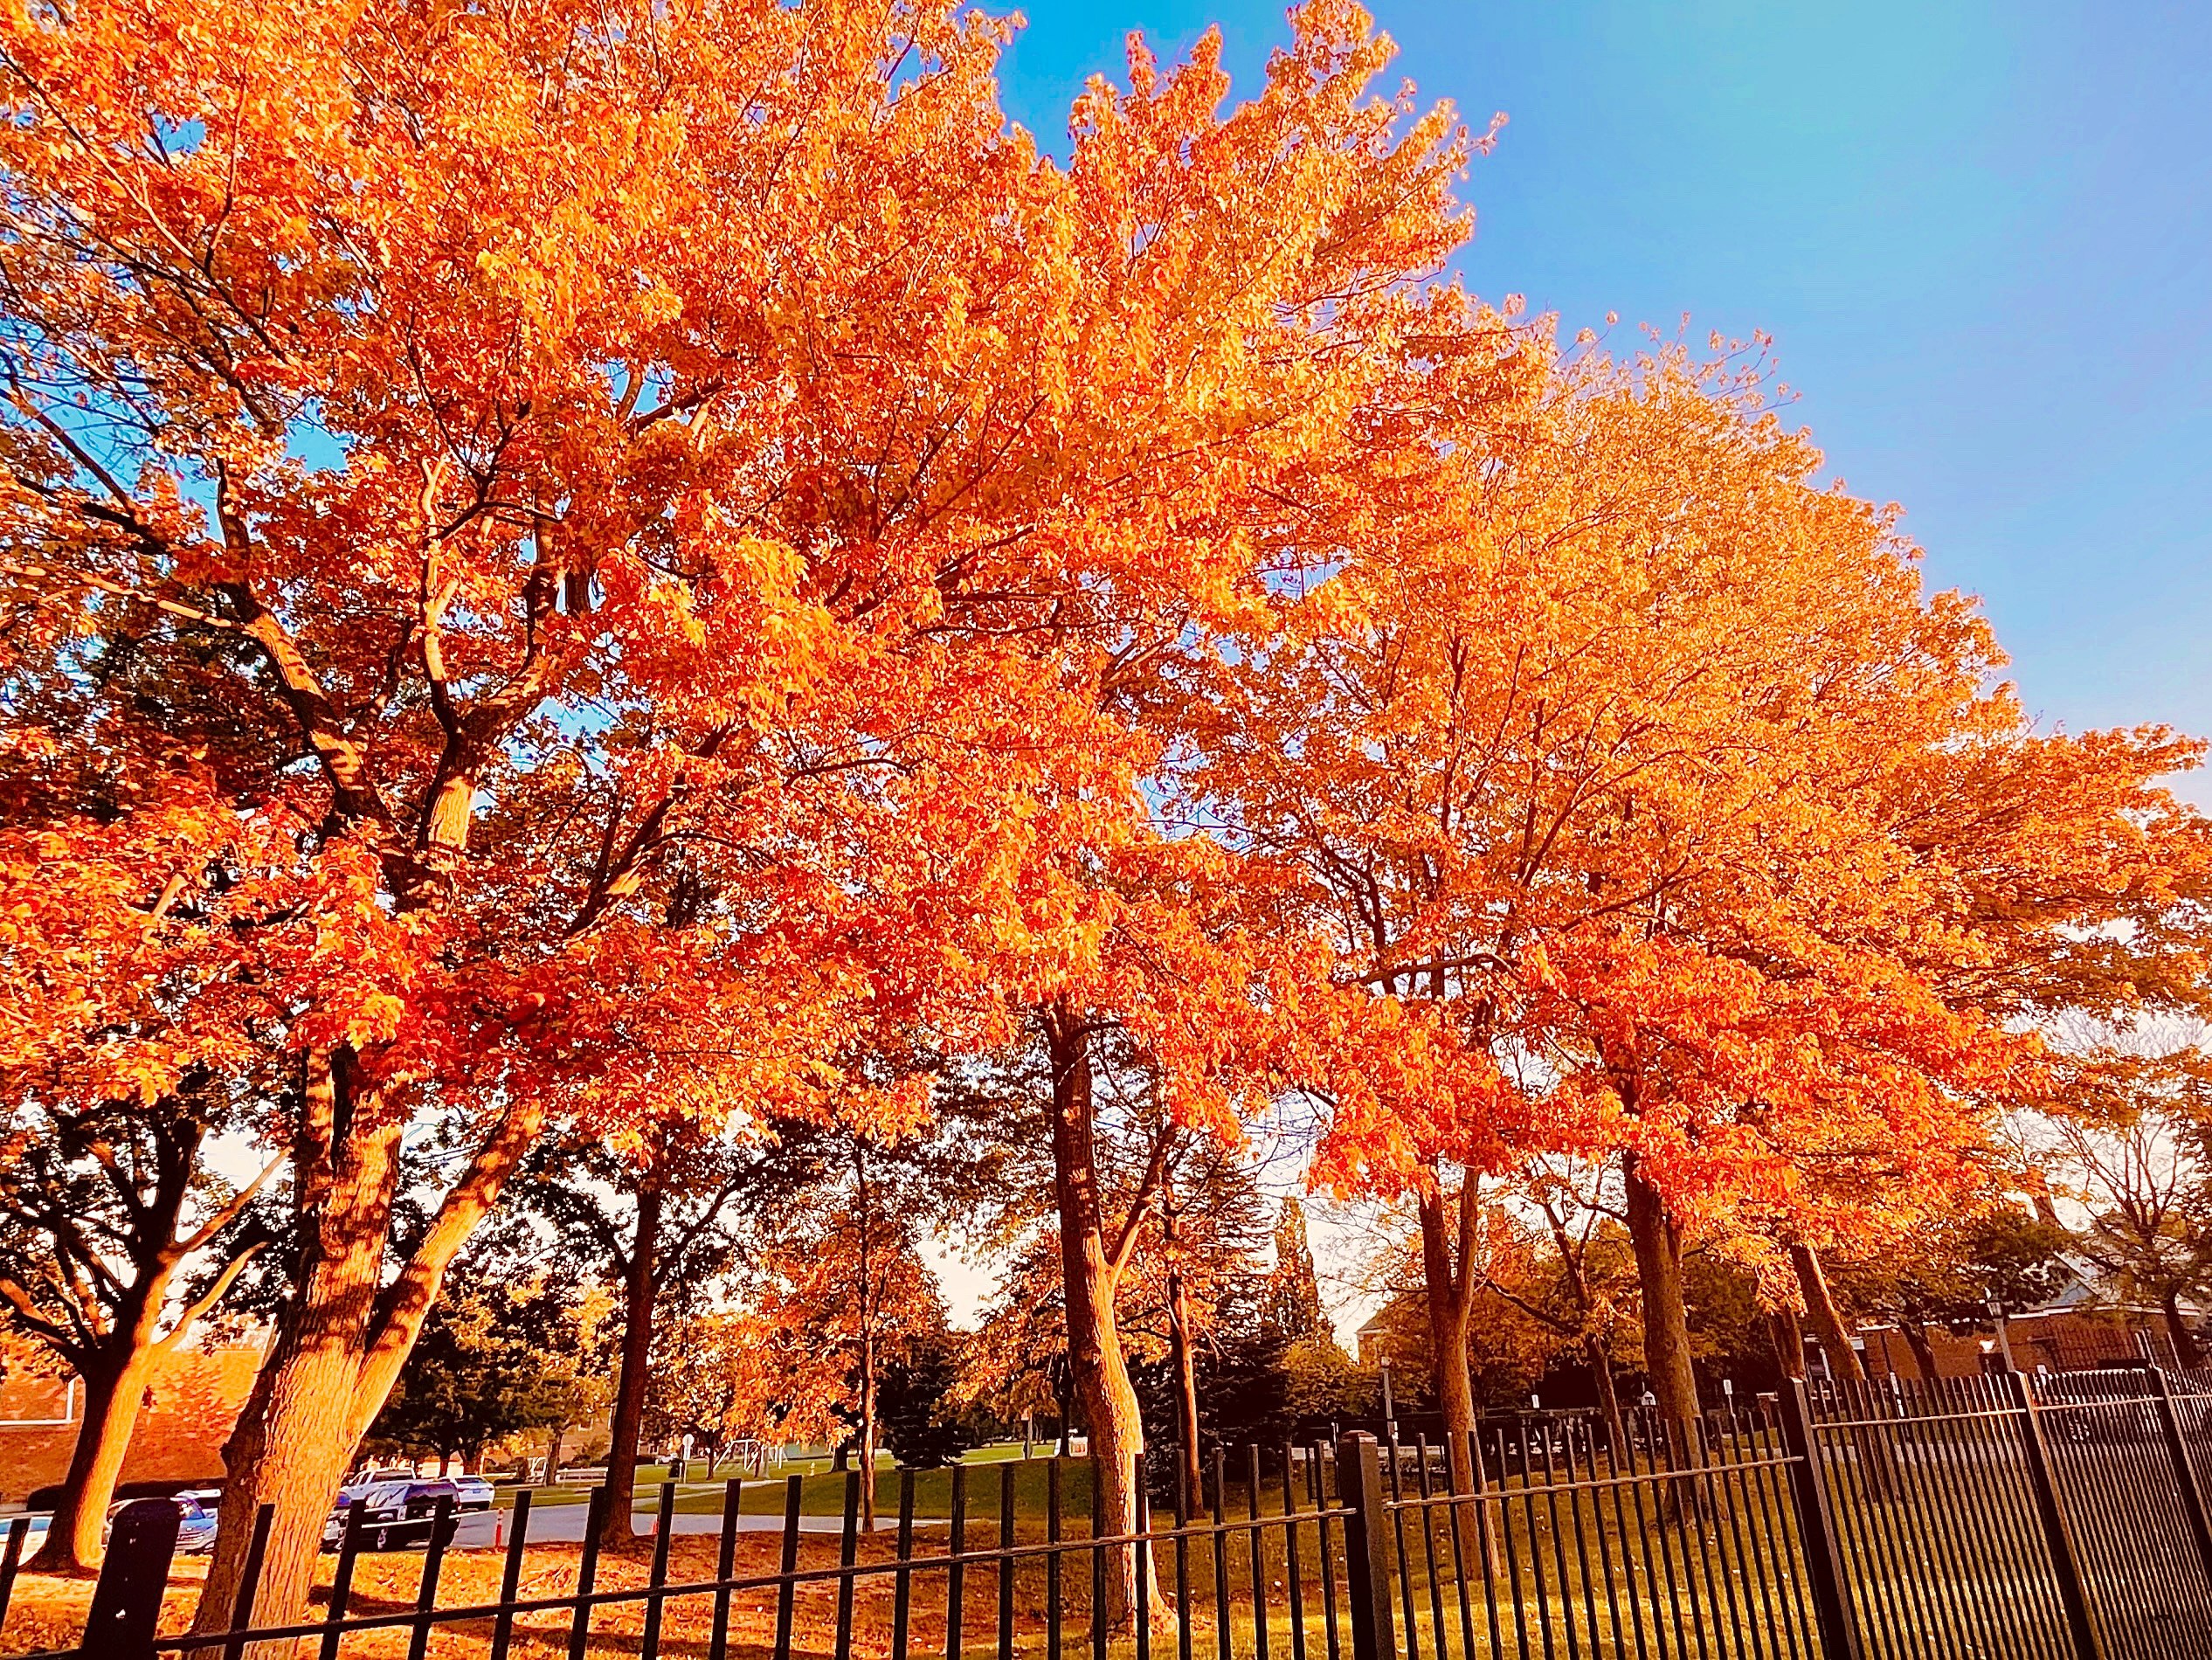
(472, 1492)
(195, 1526)
(395, 1514)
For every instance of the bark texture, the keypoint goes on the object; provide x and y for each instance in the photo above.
(1092, 1268)
(640, 1291)
(346, 1334)
(1656, 1238)
(1449, 1278)
(1822, 1315)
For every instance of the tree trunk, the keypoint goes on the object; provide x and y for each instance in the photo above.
(640, 1285)
(1448, 1288)
(74, 1544)
(868, 1429)
(294, 1451)
(1089, 1272)
(1656, 1238)
(1826, 1319)
(1600, 1365)
(345, 1335)
(1191, 1475)
(1788, 1339)
(2187, 1351)
(1924, 1354)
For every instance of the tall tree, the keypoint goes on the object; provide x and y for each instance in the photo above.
(643, 533)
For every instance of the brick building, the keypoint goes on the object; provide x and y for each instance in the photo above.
(189, 1407)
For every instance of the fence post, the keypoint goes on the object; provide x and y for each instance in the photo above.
(1824, 1570)
(2184, 1469)
(126, 1603)
(1359, 1487)
(2065, 1561)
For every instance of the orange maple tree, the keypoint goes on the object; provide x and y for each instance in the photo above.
(1612, 784)
(661, 519)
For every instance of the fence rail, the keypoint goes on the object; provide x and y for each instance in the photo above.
(2014, 1517)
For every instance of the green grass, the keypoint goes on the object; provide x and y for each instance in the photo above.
(822, 1489)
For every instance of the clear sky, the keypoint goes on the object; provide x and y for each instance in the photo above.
(1980, 235)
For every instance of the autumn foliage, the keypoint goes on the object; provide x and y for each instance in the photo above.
(586, 564)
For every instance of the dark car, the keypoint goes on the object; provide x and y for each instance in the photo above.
(394, 1514)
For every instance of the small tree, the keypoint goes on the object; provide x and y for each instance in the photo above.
(115, 1241)
(497, 1357)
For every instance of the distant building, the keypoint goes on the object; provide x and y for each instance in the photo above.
(188, 1410)
(2078, 1330)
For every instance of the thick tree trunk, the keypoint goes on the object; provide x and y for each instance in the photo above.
(344, 1337)
(641, 1288)
(2187, 1351)
(1657, 1241)
(1089, 1272)
(110, 1399)
(292, 1453)
(1826, 1320)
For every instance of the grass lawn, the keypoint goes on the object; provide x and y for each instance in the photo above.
(822, 1489)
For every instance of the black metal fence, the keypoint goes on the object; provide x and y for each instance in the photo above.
(2051, 1517)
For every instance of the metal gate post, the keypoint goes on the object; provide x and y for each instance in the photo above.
(2065, 1560)
(1359, 1487)
(126, 1603)
(1824, 1569)
(2184, 1470)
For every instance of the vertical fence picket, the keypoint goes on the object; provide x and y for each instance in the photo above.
(848, 1553)
(733, 1506)
(1824, 1565)
(1320, 1495)
(11, 1560)
(1360, 1489)
(587, 1570)
(1182, 1512)
(954, 1575)
(1141, 1557)
(1423, 1490)
(127, 1601)
(664, 1525)
(1396, 1515)
(1052, 1559)
(342, 1578)
(1005, 1562)
(257, 1553)
(903, 1577)
(1259, 1550)
(1294, 1570)
(510, 1582)
(1098, 1553)
(1217, 1542)
(787, 1565)
(2058, 1534)
(441, 1533)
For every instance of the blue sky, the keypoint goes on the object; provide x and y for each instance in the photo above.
(1980, 235)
